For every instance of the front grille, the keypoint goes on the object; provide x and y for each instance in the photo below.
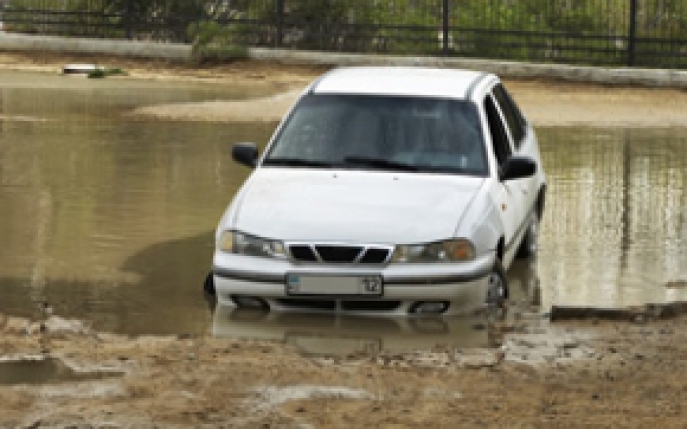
(375, 256)
(303, 253)
(313, 304)
(370, 305)
(327, 253)
(348, 305)
(338, 253)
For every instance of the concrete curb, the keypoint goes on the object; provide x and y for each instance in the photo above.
(125, 48)
(512, 69)
(508, 69)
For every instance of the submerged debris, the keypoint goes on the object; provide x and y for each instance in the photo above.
(633, 314)
(677, 284)
(91, 70)
(100, 73)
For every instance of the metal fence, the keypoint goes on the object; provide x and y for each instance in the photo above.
(646, 33)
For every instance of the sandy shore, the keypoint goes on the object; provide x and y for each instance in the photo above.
(546, 103)
(590, 373)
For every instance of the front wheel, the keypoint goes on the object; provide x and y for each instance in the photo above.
(530, 242)
(497, 290)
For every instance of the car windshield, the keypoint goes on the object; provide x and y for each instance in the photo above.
(382, 133)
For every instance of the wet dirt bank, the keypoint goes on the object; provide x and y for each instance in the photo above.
(586, 374)
(546, 103)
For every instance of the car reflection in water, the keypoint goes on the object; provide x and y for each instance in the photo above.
(317, 334)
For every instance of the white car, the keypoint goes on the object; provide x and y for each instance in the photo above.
(385, 190)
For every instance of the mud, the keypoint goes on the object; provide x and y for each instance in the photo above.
(587, 373)
(591, 372)
(545, 103)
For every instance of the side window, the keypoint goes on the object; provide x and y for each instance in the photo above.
(514, 119)
(499, 137)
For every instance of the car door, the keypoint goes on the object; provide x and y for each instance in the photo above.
(508, 195)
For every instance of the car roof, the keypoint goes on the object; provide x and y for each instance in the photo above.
(401, 81)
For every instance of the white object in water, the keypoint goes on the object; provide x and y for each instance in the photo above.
(81, 68)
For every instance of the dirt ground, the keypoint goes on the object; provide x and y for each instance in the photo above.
(619, 374)
(626, 373)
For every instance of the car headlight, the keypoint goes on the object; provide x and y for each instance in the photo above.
(243, 244)
(441, 251)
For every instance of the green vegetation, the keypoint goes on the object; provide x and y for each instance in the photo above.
(577, 31)
(213, 42)
(57, 17)
(106, 71)
(328, 25)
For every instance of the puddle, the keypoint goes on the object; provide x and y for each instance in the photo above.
(110, 219)
(330, 335)
(41, 371)
(354, 335)
(614, 235)
(105, 214)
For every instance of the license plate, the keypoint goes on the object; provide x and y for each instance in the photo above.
(297, 284)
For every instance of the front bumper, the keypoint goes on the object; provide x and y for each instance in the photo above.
(462, 287)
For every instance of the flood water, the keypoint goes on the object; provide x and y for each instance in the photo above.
(107, 217)
(110, 218)
(46, 371)
(615, 231)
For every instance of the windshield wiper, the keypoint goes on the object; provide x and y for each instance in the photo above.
(297, 162)
(379, 163)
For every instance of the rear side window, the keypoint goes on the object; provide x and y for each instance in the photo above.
(514, 119)
(499, 138)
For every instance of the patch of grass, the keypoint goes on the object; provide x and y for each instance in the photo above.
(100, 73)
(218, 54)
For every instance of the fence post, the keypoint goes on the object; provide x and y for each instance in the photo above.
(445, 28)
(127, 20)
(632, 42)
(280, 24)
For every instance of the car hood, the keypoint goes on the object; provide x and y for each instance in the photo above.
(351, 206)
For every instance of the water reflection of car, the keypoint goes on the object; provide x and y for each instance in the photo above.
(525, 289)
(387, 191)
(327, 334)
(333, 334)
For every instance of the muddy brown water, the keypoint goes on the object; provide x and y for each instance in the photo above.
(46, 371)
(110, 218)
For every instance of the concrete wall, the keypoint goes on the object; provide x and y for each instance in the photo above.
(21, 42)
(182, 52)
(614, 76)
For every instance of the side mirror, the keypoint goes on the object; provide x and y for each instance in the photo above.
(245, 153)
(517, 167)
